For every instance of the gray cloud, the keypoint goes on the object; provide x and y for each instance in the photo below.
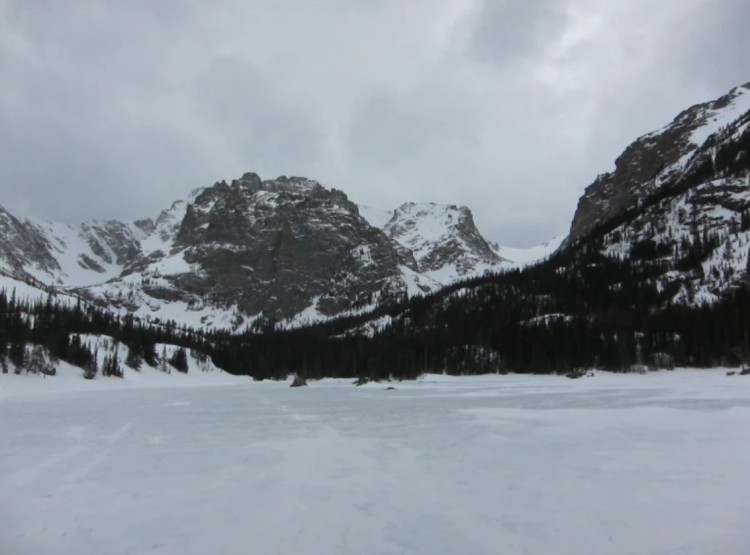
(114, 109)
(258, 129)
(511, 32)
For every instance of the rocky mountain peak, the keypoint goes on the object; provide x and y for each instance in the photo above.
(286, 249)
(282, 246)
(441, 237)
(678, 203)
(649, 162)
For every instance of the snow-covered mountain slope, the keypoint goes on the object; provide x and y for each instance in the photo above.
(520, 257)
(655, 161)
(286, 250)
(61, 254)
(446, 244)
(679, 202)
(376, 217)
(702, 238)
(443, 239)
(32, 291)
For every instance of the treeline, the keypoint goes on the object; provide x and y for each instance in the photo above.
(35, 333)
(578, 310)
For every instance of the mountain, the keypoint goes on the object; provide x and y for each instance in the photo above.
(60, 254)
(252, 252)
(657, 160)
(654, 273)
(679, 197)
(443, 239)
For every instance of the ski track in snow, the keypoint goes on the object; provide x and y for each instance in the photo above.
(653, 464)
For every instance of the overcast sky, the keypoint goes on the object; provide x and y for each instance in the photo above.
(112, 109)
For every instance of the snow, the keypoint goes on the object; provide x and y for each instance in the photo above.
(203, 317)
(546, 319)
(421, 227)
(25, 292)
(521, 257)
(372, 327)
(68, 245)
(451, 273)
(675, 222)
(416, 283)
(424, 225)
(267, 198)
(307, 317)
(154, 243)
(171, 265)
(613, 464)
(716, 119)
(69, 379)
(376, 217)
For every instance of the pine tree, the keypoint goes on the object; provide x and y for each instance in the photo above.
(149, 351)
(134, 358)
(92, 367)
(111, 366)
(39, 362)
(179, 360)
(163, 363)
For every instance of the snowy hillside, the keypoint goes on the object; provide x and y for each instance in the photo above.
(689, 218)
(446, 244)
(34, 291)
(444, 240)
(69, 378)
(706, 119)
(520, 257)
(65, 255)
(721, 243)
(112, 366)
(655, 162)
(230, 255)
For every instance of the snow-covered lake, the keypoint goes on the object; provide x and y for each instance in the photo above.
(652, 464)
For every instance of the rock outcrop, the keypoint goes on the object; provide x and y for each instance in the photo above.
(654, 161)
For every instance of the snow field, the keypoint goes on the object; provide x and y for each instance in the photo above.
(651, 464)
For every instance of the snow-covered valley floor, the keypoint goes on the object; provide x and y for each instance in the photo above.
(652, 464)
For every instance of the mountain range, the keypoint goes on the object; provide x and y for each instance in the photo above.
(654, 271)
(286, 249)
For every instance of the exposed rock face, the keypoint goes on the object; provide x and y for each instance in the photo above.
(654, 160)
(679, 202)
(22, 245)
(279, 246)
(285, 248)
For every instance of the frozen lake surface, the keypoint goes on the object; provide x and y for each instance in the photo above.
(652, 464)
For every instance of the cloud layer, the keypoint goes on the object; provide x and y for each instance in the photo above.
(114, 109)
